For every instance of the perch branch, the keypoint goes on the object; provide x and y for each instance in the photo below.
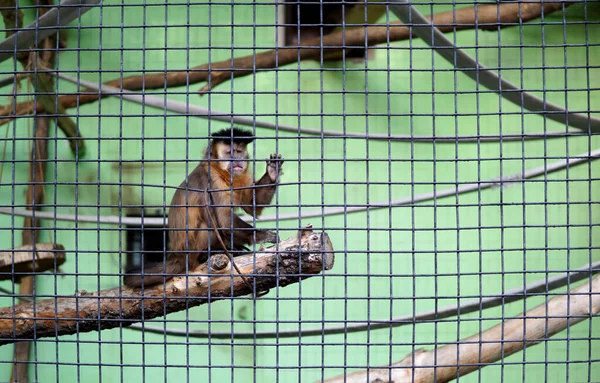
(292, 260)
(533, 327)
(485, 17)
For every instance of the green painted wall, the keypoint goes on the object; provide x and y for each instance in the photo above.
(398, 276)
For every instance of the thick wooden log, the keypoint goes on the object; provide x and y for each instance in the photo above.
(290, 261)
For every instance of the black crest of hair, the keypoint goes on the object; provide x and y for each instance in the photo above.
(239, 136)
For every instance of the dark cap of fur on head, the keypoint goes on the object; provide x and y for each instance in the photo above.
(239, 136)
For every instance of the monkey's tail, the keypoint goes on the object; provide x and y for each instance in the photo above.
(159, 273)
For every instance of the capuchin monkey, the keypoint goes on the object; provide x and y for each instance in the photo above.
(222, 172)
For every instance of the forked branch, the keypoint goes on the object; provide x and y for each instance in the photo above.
(289, 262)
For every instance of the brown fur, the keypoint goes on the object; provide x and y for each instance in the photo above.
(190, 235)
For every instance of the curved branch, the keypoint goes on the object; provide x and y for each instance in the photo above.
(466, 188)
(513, 295)
(447, 363)
(290, 261)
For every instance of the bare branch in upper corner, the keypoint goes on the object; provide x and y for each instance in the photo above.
(292, 260)
(488, 16)
(500, 341)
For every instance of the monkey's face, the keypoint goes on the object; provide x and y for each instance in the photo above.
(233, 158)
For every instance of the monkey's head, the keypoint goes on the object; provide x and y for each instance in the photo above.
(229, 147)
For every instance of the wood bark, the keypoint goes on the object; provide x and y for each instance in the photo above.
(484, 17)
(470, 354)
(292, 260)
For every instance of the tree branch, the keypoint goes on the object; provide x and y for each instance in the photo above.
(485, 17)
(490, 346)
(292, 260)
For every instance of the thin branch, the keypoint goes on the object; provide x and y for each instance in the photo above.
(405, 201)
(290, 261)
(543, 286)
(446, 363)
(486, 17)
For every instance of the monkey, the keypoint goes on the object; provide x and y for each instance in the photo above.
(223, 177)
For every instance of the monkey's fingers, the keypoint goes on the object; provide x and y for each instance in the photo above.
(275, 159)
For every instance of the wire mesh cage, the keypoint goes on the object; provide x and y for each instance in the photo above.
(336, 191)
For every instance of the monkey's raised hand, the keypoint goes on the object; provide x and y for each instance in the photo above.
(274, 167)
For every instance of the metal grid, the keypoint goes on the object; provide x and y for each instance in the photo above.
(450, 166)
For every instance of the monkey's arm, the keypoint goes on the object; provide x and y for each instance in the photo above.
(256, 199)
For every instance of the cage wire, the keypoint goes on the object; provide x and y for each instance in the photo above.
(433, 221)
